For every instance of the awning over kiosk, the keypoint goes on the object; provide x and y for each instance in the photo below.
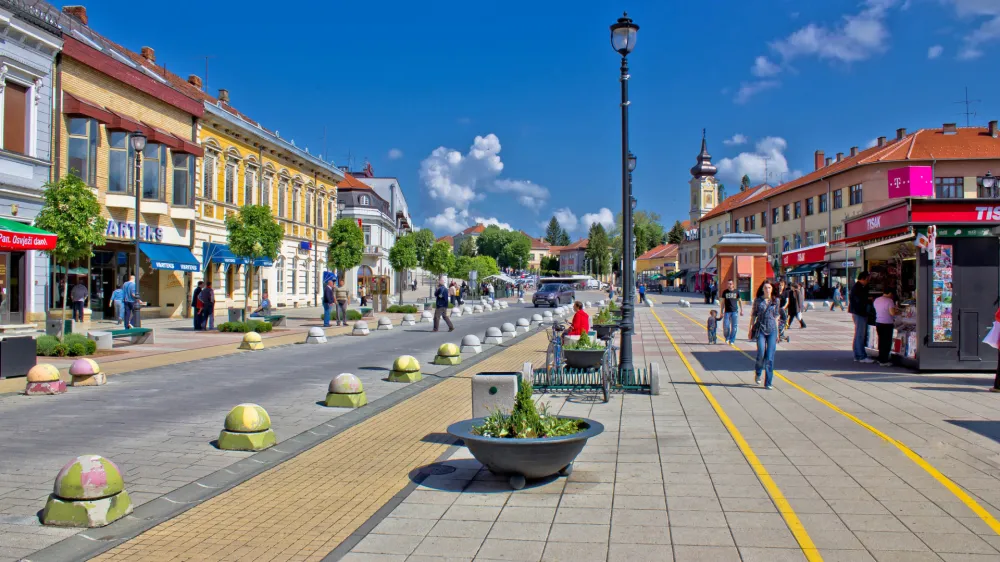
(166, 256)
(220, 253)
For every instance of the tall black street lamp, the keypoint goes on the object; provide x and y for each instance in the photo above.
(138, 141)
(623, 34)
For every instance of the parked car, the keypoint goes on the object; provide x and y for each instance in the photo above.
(593, 284)
(553, 294)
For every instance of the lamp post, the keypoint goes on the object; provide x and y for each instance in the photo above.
(138, 141)
(341, 205)
(990, 183)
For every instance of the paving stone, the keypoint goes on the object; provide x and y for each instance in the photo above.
(583, 515)
(574, 552)
(448, 546)
(473, 512)
(708, 536)
(388, 544)
(461, 529)
(528, 514)
(400, 526)
(640, 535)
(890, 541)
(641, 517)
(519, 550)
(686, 553)
(618, 552)
(755, 554)
(519, 531)
(564, 532)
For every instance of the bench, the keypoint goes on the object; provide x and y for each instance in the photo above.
(273, 319)
(104, 338)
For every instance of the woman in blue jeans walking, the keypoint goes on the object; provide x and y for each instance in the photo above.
(764, 321)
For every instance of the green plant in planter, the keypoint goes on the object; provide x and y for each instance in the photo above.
(526, 421)
(603, 316)
(612, 306)
(585, 344)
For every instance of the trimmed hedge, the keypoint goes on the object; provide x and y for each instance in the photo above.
(73, 345)
(243, 327)
(402, 308)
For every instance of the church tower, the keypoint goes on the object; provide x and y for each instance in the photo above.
(704, 186)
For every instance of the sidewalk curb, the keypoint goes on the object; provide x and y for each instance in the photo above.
(92, 542)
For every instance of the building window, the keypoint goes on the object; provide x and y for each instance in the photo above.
(329, 210)
(774, 215)
(367, 229)
(838, 198)
(774, 246)
(984, 192)
(282, 193)
(798, 240)
(295, 204)
(838, 232)
(230, 181)
(711, 231)
(249, 184)
(119, 156)
(265, 190)
(822, 236)
(15, 118)
(309, 207)
(798, 209)
(823, 202)
(305, 278)
(784, 244)
(281, 274)
(786, 213)
(364, 201)
(83, 149)
(763, 219)
(809, 207)
(293, 273)
(183, 178)
(727, 227)
(319, 212)
(856, 195)
(949, 188)
(154, 170)
(810, 239)
(208, 177)
(753, 222)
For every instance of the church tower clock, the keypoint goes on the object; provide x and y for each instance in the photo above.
(704, 186)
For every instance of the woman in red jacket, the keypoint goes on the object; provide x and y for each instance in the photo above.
(581, 321)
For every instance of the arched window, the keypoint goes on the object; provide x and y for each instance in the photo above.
(250, 186)
(309, 208)
(364, 200)
(281, 273)
(319, 210)
(282, 194)
(293, 273)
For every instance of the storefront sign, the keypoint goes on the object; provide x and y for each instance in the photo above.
(20, 241)
(911, 181)
(960, 231)
(938, 212)
(127, 230)
(812, 254)
(889, 218)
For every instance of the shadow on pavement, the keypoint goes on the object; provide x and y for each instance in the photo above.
(989, 429)
(983, 381)
(440, 438)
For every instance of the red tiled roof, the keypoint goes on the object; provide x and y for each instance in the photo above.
(661, 251)
(478, 229)
(447, 239)
(352, 182)
(734, 201)
(578, 245)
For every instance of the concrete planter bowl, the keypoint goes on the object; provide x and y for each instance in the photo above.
(526, 459)
(604, 330)
(583, 358)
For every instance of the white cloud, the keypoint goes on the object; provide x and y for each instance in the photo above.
(566, 218)
(984, 12)
(763, 67)
(736, 140)
(449, 221)
(492, 221)
(871, 143)
(935, 52)
(768, 155)
(858, 37)
(569, 221)
(749, 89)
(529, 194)
(604, 217)
(395, 154)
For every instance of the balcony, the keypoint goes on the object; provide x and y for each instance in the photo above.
(376, 251)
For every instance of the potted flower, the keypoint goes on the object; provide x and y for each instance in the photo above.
(604, 323)
(616, 310)
(527, 443)
(584, 353)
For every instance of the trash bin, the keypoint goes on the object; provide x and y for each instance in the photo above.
(17, 356)
(52, 326)
(235, 314)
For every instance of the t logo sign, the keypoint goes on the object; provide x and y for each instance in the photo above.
(874, 222)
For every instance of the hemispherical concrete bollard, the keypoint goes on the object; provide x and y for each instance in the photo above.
(547, 315)
(507, 330)
(86, 372)
(471, 344)
(408, 320)
(360, 328)
(448, 354)
(493, 335)
(589, 304)
(685, 304)
(88, 492)
(405, 368)
(827, 304)
(384, 323)
(467, 308)
(426, 317)
(503, 304)
(316, 335)
(536, 319)
(247, 428)
(522, 325)
(520, 300)
(252, 342)
(346, 391)
(810, 306)
(456, 312)
(476, 309)
(600, 302)
(43, 378)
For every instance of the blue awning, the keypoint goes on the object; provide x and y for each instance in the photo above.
(165, 256)
(220, 253)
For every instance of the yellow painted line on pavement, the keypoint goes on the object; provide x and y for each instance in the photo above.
(791, 519)
(954, 488)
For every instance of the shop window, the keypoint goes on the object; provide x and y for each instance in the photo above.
(823, 202)
(798, 209)
(183, 178)
(154, 170)
(15, 118)
(282, 193)
(856, 195)
(809, 207)
(810, 239)
(786, 213)
(822, 236)
(82, 148)
(249, 184)
(230, 182)
(949, 188)
(838, 232)
(120, 157)
(208, 176)
(774, 215)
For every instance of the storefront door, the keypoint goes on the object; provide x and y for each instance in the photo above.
(11, 288)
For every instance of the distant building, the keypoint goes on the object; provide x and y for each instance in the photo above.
(472, 232)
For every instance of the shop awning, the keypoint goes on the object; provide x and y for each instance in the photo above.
(888, 233)
(166, 256)
(213, 252)
(770, 271)
(805, 269)
(19, 236)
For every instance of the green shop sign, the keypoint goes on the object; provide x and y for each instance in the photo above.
(959, 231)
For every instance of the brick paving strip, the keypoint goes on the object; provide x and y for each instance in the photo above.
(338, 475)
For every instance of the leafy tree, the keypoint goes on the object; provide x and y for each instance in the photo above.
(553, 232)
(346, 246)
(467, 247)
(516, 252)
(549, 263)
(563, 238)
(461, 267)
(721, 188)
(423, 239)
(485, 265)
(599, 249)
(676, 234)
(745, 182)
(440, 258)
(647, 230)
(71, 212)
(491, 241)
(253, 233)
(403, 257)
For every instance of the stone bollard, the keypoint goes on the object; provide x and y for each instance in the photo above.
(507, 330)
(316, 335)
(89, 492)
(487, 307)
(654, 378)
(248, 428)
(536, 319)
(86, 372)
(504, 304)
(522, 325)
(360, 328)
(827, 304)
(43, 378)
(467, 308)
(384, 323)
(426, 317)
(493, 392)
(810, 306)
(547, 316)
(588, 304)
(448, 354)
(520, 300)
(252, 342)
(600, 302)
(685, 304)
(477, 309)
(456, 312)
(408, 320)
(470, 344)
(405, 368)
(493, 336)
(346, 391)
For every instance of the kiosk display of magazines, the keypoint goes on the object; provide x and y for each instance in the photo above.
(946, 296)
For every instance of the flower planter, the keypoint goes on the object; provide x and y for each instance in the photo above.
(583, 358)
(522, 459)
(604, 330)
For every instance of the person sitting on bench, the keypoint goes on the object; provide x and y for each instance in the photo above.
(580, 324)
(265, 308)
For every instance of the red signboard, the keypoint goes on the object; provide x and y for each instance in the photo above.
(937, 212)
(889, 218)
(24, 241)
(812, 254)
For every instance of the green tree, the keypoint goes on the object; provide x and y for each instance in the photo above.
(563, 238)
(346, 246)
(467, 247)
(745, 183)
(461, 267)
(553, 232)
(71, 212)
(676, 234)
(599, 249)
(491, 241)
(517, 251)
(423, 239)
(440, 259)
(485, 265)
(647, 230)
(253, 234)
(403, 257)
(549, 263)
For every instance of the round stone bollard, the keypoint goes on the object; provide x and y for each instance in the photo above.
(448, 354)
(360, 328)
(467, 308)
(252, 342)
(456, 312)
(547, 315)
(43, 378)
(827, 304)
(346, 391)
(86, 372)
(476, 309)
(493, 335)
(248, 428)
(316, 335)
(600, 302)
(89, 492)
(470, 344)
(408, 320)
(384, 323)
(405, 368)
(536, 319)
(520, 300)
(507, 330)
(504, 304)
(685, 304)
(810, 306)
(426, 317)
(522, 325)
(588, 304)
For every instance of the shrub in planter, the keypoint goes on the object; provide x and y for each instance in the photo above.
(46, 345)
(243, 327)
(77, 349)
(259, 326)
(60, 350)
(353, 315)
(402, 309)
(584, 353)
(89, 345)
(525, 421)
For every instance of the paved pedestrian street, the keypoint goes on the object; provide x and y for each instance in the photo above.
(839, 462)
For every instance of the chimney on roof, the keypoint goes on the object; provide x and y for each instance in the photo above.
(829, 161)
(224, 95)
(854, 151)
(149, 54)
(77, 12)
(840, 156)
(881, 142)
(993, 129)
(900, 133)
(949, 129)
(194, 80)
(818, 159)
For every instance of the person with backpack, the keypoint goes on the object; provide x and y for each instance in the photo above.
(207, 298)
(196, 304)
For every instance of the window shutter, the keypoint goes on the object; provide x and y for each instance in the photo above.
(14, 118)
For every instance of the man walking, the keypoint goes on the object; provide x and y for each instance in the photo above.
(79, 295)
(341, 295)
(858, 307)
(196, 304)
(207, 298)
(732, 309)
(328, 299)
(441, 304)
(131, 297)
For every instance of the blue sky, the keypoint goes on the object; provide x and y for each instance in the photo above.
(411, 85)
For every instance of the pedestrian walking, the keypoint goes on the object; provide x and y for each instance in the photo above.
(342, 296)
(784, 296)
(885, 311)
(196, 304)
(713, 325)
(764, 329)
(642, 293)
(441, 305)
(118, 304)
(714, 290)
(130, 296)
(838, 298)
(328, 299)
(731, 309)
(78, 294)
(207, 298)
(858, 307)
(800, 293)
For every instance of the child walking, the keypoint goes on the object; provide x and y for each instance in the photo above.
(713, 323)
